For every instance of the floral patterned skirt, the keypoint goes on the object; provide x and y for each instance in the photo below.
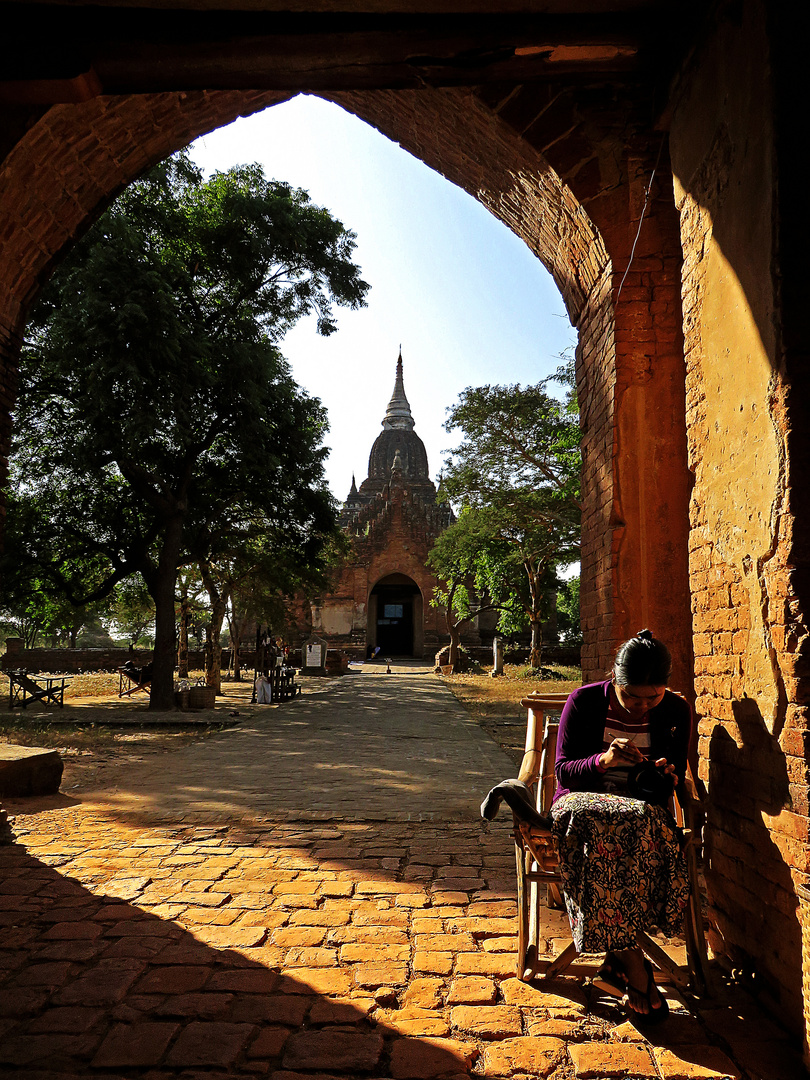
(621, 867)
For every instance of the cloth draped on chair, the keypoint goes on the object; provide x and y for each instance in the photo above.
(622, 869)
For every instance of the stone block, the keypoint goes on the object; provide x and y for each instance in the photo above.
(333, 1050)
(603, 1060)
(29, 770)
(532, 1056)
(429, 1057)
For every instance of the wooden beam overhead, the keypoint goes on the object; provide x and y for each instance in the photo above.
(125, 50)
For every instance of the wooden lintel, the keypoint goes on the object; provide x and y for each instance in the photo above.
(147, 50)
(83, 87)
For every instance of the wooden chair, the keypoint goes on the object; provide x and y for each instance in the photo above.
(24, 688)
(284, 684)
(538, 876)
(127, 686)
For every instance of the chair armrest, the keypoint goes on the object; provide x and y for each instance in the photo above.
(530, 767)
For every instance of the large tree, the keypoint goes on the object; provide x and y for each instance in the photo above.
(517, 469)
(156, 410)
(466, 559)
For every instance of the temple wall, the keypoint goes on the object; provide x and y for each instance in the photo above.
(748, 616)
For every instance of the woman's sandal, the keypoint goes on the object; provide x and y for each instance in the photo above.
(611, 977)
(656, 1013)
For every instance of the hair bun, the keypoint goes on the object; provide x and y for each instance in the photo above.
(642, 661)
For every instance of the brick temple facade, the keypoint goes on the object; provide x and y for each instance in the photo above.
(381, 594)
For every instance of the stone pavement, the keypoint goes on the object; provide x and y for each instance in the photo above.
(310, 895)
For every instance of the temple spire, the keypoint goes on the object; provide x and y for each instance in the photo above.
(398, 413)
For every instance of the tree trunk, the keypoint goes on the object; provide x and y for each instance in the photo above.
(536, 657)
(237, 629)
(534, 574)
(213, 645)
(182, 651)
(161, 584)
(455, 642)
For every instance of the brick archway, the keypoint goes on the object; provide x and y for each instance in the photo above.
(556, 122)
(76, 158)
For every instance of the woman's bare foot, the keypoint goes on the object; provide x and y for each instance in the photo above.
(643, 996)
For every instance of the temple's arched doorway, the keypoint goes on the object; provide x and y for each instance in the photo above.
(395, 616)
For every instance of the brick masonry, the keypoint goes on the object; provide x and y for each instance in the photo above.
(568, 168)
(746, 547)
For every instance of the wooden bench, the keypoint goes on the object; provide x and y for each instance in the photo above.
(24, 688)
(284, 684)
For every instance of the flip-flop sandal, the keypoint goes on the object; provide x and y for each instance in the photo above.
(611, 977)
(655, 1015)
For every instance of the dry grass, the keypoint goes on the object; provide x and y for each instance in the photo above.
(495, 703)
(92, 684)
(95, 693)
(98, 684)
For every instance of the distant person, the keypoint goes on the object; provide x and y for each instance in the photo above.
(264, 690)
(139, 675)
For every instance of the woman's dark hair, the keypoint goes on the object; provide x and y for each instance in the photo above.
(642, 661)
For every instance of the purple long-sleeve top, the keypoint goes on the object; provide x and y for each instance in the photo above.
(582, 729)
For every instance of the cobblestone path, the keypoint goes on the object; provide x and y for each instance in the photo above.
(310, 895)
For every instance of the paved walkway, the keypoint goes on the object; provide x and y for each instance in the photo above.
(368, 745)
(310, 894)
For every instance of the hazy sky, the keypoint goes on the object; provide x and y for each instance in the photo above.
(464, 297)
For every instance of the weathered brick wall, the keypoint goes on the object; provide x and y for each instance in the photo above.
(71, 660)
(652, 481)
(747, 525)
(58, 661)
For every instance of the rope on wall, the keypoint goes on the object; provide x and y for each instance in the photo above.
(641, 219)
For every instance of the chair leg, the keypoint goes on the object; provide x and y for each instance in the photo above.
(563, 961)
(695, 934)
(663, 960)
(523, 961)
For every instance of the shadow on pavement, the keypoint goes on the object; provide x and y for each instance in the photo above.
(93, 982)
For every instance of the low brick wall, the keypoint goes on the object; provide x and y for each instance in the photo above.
(71, 661)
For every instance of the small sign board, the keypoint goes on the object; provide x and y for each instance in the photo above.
(314, 655)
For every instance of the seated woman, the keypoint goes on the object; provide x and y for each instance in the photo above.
(620, 861)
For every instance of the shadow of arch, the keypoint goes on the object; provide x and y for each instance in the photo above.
(138, 973)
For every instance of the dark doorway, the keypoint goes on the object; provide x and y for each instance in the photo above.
(394, 599)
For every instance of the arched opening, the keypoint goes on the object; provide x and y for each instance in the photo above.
(455, 133)
(395, 616)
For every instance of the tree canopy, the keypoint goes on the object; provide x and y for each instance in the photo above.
(156, 414)
(516, 476)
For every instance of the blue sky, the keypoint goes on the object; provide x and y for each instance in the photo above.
(463, 295)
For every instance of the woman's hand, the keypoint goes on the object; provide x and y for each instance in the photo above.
(662, 763)
(620, 754)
